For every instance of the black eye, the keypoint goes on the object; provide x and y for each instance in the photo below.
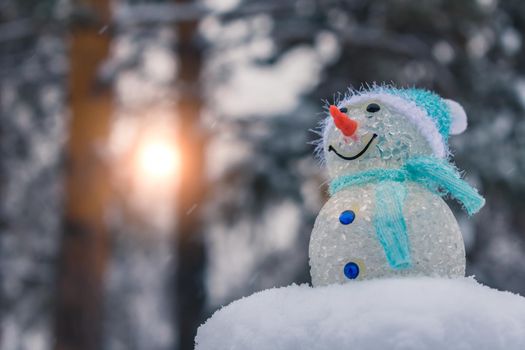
(343, 110)
(373, 107)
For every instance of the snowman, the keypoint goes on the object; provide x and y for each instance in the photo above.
(388, 162)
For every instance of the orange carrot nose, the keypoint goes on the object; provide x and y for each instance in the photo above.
(347, 126)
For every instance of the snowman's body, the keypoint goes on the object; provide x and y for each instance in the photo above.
(436, 244)
(385, 216)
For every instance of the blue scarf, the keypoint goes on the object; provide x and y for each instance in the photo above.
(438, 176)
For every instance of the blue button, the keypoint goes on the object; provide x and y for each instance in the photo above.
(347, 217)
(351, 270)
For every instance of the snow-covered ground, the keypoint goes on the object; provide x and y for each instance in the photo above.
(415, 313)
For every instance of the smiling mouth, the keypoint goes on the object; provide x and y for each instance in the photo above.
(332, 149)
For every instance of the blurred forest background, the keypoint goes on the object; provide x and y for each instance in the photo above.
(154, 156)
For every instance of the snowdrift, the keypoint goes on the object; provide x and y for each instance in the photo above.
(415, 313)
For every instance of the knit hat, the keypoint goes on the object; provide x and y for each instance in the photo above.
(435, 117)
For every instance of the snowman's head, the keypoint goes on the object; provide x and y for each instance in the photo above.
(384, 126)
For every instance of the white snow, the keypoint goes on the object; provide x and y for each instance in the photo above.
(410, 313)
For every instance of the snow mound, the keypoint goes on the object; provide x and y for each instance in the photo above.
(409, 313)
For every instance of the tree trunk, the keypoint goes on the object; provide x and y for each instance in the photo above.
(84, 246)
(189, 241)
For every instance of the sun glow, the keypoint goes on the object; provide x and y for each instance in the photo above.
(158, 159)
